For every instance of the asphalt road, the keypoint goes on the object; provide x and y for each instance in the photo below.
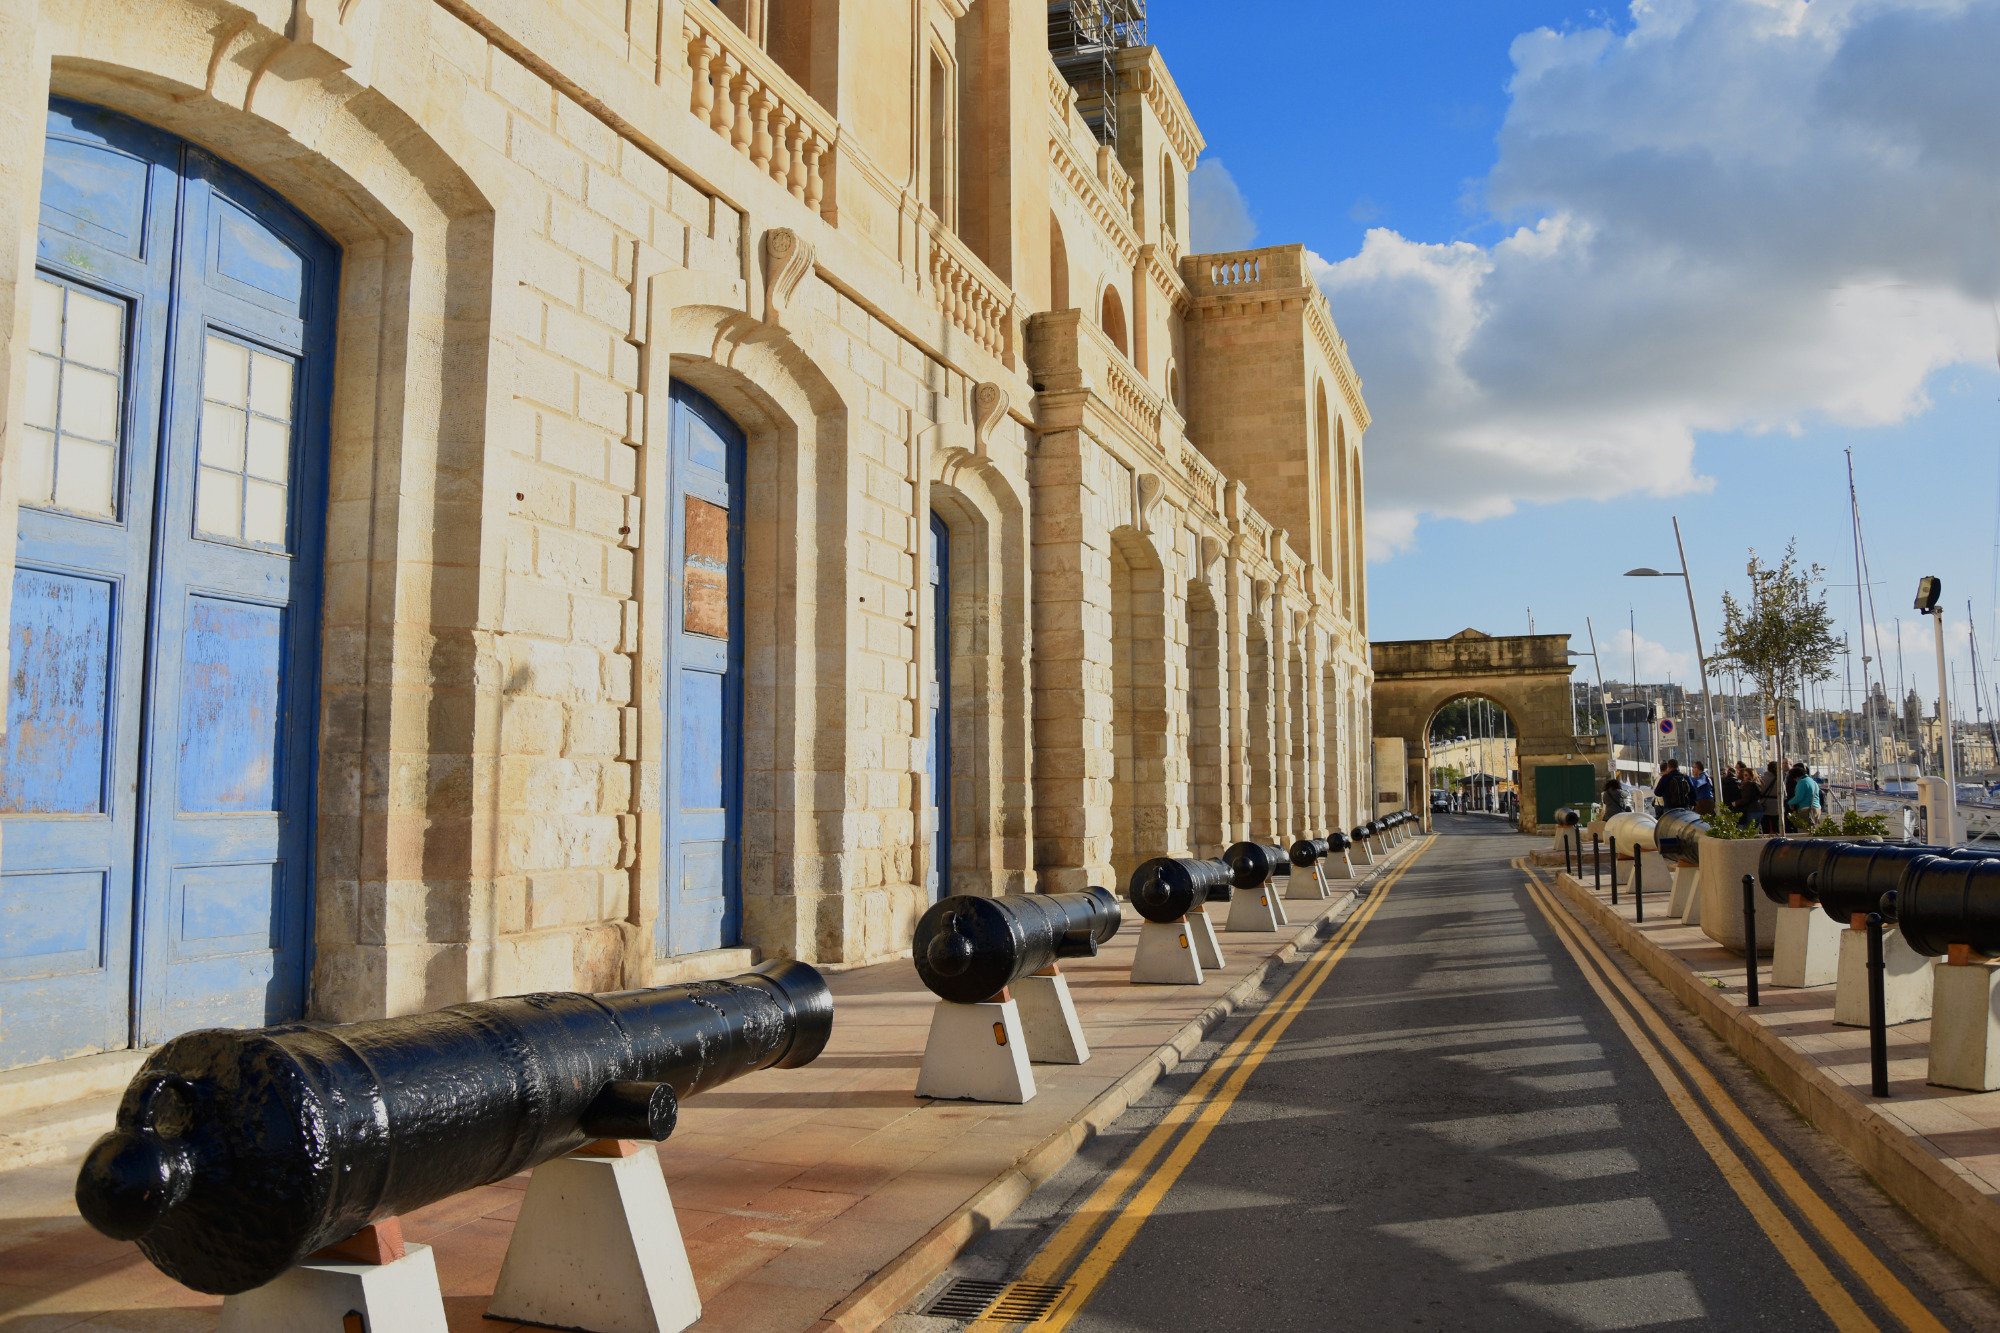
(1452, 1130)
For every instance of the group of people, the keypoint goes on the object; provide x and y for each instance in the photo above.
(1760, 800)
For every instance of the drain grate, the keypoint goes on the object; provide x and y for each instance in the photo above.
(1008, 1302)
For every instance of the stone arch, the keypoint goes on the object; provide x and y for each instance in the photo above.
(1333, 766)
(1260, 730)
(412, 695)
(1169, 205)
(1142, 823)
(1340, 535)
(1058, 266)
(793, 409)
(1302, 748)
(1111, 318)
(1326, 540)
(1207, 715)
(991, 709)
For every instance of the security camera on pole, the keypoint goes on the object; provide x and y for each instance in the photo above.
(1943, 805)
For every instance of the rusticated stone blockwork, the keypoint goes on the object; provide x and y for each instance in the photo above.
(667, 336)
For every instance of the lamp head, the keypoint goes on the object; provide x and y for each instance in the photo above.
(1930, 590)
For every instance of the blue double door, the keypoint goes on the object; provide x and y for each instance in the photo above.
(157, 769)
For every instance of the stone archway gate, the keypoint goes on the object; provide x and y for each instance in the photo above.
(1528, 675)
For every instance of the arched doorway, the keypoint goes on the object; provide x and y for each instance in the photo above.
(1111, 318)
(937, 863)
(1472, 757)
(702, 900)
(1261, 733)
(1138, 705)
(157, 773)
(1208, 747)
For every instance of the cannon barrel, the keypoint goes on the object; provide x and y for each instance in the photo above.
(1945, 900)
(1633, 831)
(1308, 850)
(1251, 864)
(1363, 832)
(1853, 876)
(1167, 888)
(1791, 865)
(968, 949)
(1568, 818)
(236, 1154)
(1678, 835)
(1337, 842)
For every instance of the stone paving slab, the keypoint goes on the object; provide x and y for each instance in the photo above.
(822, 1197)
(1936, 1151)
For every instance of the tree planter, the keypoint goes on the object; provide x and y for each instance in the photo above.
(1723, 866)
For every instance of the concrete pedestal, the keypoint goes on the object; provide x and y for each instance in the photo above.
(1253, 909)
(1906, 980)
(1305, 885)
(597, 1247)
(1207, 948)
(1360, 854)
(1275, 890)
(1684, 898)
(1048, 1020)
(1336, 868)
(397, 1297)
(977, 1053)
(1807, 952)
(1166, 955)
(1965, 1026)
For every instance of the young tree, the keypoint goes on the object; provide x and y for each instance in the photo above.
(1784, 636)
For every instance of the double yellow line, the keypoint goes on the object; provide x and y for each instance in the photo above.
(1200, 1109)
(1682, 1076)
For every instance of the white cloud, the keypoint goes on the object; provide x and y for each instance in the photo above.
(1727, 215)
(1218, 214)
(1657, 662)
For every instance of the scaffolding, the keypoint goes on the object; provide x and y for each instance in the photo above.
(1084, 36)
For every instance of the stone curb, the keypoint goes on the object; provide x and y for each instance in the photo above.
(1959, 1214)
(904, 1278)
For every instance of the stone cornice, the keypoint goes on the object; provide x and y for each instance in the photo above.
(1085, 187)
(1142, 69)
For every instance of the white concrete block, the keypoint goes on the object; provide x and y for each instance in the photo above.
(1207, 948)
(977, 1053)
(1807, 952)
(1048, 1020)
(1166, 955)
(398, 1297)
(1684, 899)
(1251, 909)
(1965, 1026)
(1336, 868)
(597, 1247)
(1906, 980)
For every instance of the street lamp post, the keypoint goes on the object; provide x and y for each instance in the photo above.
(1929, 591)
(1694, 620)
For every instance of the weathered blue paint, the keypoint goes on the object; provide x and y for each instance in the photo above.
(937, 874)
(181, 896)
(58, 696)
(702, 905)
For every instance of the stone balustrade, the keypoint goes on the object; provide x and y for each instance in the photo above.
(1241, 272)
(746, 98)
(977, 303)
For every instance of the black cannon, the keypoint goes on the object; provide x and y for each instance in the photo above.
(1337, 842)
(1945, 900)
(239, 1153)
(1252, 864)
(1306, 851)
(1167, 888)
(1568, 818)
(1789, 866)
(969, 949)
(1854, 876)
(1363, 832)
(1678, 834)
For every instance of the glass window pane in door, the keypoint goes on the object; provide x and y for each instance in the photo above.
(241, 491)
(75, 403)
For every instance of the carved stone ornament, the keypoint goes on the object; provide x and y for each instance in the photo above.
(787, 259)
(1211, 551)
(1147, 489)
(989, 406)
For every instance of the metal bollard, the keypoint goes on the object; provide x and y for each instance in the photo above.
(1750, 937)
(1597, 861)
(1614, 872)
(1878, 1010)
(1639, 885)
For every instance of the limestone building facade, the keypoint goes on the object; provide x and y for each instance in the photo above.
(501, 495)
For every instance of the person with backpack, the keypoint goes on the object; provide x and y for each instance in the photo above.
(1673, 791)
(1704, 789)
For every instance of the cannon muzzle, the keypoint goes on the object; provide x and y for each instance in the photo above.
(1308, 850)
(1678, 834)
(238, 1153)
(1251, 864)
(969, 949)
(1944, 900)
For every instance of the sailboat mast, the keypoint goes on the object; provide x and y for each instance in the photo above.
(1978, 692)
(1861, 611)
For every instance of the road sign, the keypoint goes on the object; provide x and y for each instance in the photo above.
(1770, 724)
(1668, 726)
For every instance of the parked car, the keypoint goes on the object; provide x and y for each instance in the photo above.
(1440, 802)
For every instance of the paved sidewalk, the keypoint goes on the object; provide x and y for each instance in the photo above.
(823, 1197)
(1935, 1150)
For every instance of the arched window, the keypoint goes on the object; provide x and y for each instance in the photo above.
(1174, 388)
(1058, 267)
(1112, 319)
(1329, 486)
(1169, 206)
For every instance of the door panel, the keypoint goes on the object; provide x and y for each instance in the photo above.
(162, 695)
(702, 906)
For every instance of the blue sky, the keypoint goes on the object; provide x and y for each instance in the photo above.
(1604, 265)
